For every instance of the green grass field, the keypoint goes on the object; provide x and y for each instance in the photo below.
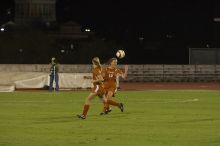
(151, 118)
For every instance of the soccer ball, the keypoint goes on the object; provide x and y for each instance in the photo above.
(120, 54)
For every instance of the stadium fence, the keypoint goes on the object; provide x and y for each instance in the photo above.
(36, 76)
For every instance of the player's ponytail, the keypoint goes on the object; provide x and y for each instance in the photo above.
(111, 59)
(96, 61)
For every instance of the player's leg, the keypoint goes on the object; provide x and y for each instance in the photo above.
(57, 81)
(109, 101)
(104, 101)
(94, 93)
(108, 97)
(106, 109)
(51, 82)
(114, 103)
(113, 95)
(87, 105)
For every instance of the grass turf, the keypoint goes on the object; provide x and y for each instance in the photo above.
(151, 118)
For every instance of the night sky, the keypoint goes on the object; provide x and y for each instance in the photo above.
(148, 18)
(163, 24)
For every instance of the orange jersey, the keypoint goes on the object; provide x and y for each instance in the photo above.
(95, 72)
(110, 76)
(98, 86)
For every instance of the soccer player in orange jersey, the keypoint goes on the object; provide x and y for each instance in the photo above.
(110, 75)
(97, 90)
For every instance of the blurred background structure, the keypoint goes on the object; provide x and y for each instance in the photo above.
(27, 11)
(164, 41)
(160, 32)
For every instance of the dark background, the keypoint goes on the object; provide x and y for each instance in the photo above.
(153, 32)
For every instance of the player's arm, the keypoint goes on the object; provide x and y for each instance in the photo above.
(99, 78)
(124, 73)
(103, 73)
(87, 77)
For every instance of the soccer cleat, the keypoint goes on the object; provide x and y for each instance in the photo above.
(108, 110)
(103, 113)
(121, 106)
(81, 116)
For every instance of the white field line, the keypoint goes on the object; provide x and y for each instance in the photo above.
(184, 90)
(149, 101)
(172, 101)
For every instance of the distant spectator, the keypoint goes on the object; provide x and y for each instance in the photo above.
(54, 69)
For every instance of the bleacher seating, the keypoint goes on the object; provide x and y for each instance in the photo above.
(136, 73)
(173, 73)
